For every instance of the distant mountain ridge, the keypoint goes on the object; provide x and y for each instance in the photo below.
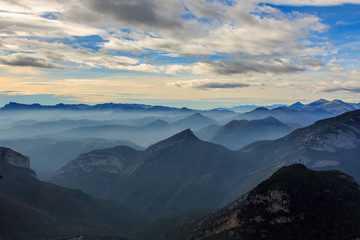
(303, 117)
(239, 133)
(12, 106)
(335, 106)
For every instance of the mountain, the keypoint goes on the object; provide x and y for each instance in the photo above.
(318, 103)
(26, 129)
(296, 105)
(158, 124)
(32, 209)
(182, 172)
(95, 171)
(294, 203)
(239, 133)
(332, 143)
(109, 107)
(208, 132)
(144, 135)
(335, 106)
(246, 108)
(49, 155)
(286, 115)
(194, 122)
(83, 107)
(338, 107)
(10, 157)
(178, 173)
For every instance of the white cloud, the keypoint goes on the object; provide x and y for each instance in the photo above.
(32, 25)
(35, 53)
(311, 2)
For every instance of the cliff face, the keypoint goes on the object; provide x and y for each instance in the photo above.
(9, 159)
(14, 158)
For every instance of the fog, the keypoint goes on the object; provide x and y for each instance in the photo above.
(52, 138)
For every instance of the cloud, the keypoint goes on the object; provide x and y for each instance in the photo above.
(214, 83)
(227, 30)
(311, 2)
(244, 66)
(257, 38)
(312, 63)
(138, 13)
(31, 24)
(339, 89)
(219, 85)
(20, 60)
(40, 54)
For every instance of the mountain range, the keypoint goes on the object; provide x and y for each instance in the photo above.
(335, 106)
(178, 173)
(183, 172)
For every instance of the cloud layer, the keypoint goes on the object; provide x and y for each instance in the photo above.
(34, 34)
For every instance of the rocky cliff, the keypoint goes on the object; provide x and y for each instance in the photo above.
(14, 158)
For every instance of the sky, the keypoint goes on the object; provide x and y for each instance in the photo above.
(182, 53)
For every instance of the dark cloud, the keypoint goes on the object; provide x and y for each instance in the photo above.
(221, 85)
(346, 89)
(312, 62)
(243, 66)
(25, 61)
(134, 13)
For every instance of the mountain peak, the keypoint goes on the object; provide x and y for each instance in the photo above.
(159, 123)
(260, 109)
(194, 121)
(184, 135)
(181, 137)
(337, 101)
(318, 102)
(297, 104)
(270, 119)
(197, 116)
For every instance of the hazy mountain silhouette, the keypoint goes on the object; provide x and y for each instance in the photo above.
(287, 115)
(239, 133)
(335, 106)
(194, 122)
